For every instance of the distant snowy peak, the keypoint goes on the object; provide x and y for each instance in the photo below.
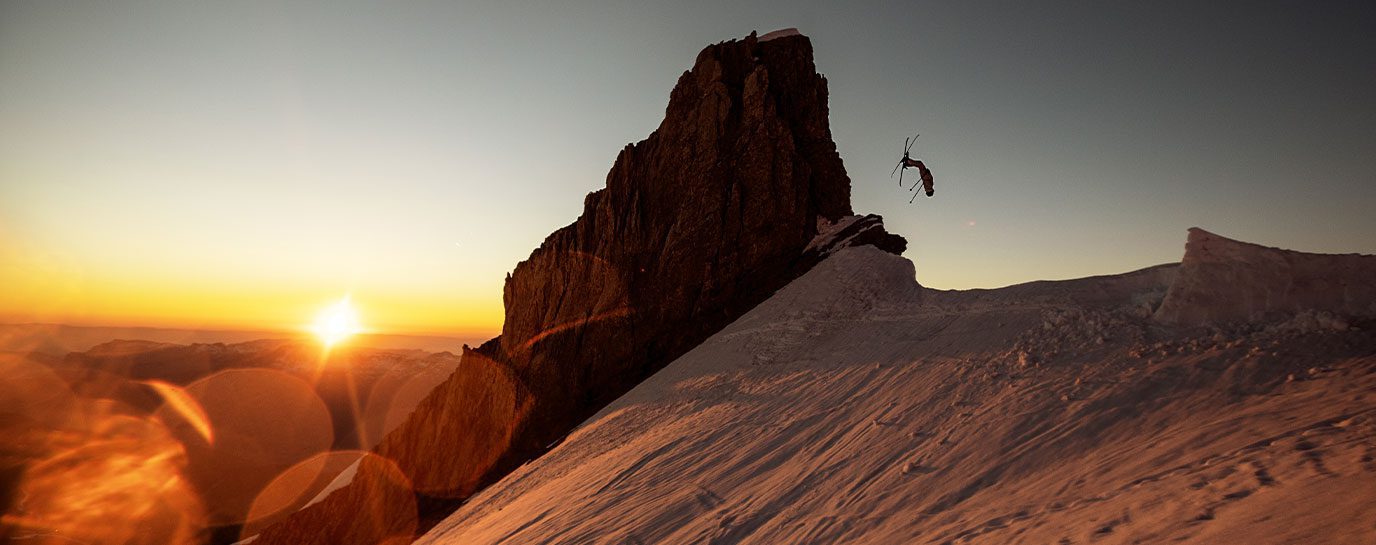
(781, 33)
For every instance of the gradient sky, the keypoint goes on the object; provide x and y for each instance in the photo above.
(243, 165)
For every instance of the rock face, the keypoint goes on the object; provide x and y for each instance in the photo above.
(475, 413)
(717, 209)
(1223, 280)
(698, 223)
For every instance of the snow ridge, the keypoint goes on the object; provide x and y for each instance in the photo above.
(854, 406)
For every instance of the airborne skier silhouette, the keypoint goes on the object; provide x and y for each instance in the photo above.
(923, 172)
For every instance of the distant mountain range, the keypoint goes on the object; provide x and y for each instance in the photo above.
(59, 339)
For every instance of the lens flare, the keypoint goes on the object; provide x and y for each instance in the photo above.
(264, 421)
(297, 486)
(117, 479)
(379, 500)
(185, 406)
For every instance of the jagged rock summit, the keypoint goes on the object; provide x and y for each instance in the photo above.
(738, 192)
(698, 223)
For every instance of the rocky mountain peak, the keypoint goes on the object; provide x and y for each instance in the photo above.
(698, 223)
(704, 219)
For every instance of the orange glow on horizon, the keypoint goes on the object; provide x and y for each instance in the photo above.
(67, 296)
(336, 323)
(47, 285)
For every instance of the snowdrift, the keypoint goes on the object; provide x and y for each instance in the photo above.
(1224, 280)
(855, 406)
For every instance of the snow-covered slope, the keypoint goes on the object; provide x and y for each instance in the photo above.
(857, 407)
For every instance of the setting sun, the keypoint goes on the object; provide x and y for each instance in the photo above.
(336, 323)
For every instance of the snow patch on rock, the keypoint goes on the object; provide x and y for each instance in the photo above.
(781, 33)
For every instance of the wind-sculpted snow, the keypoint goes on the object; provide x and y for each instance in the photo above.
(855, 406)
(1224, 280)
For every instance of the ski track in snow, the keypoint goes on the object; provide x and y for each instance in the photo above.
(855, 406)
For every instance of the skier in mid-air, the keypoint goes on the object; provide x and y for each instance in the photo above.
(923, 172)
